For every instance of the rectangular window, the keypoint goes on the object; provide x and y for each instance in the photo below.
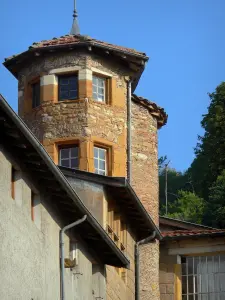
(203, 277)
(32, 206)
(99, 88)
(68, 87)
(13, 180)
(69, 157)
(100, 160)
(36, 92)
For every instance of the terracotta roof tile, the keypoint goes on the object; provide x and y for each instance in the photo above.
(155, 110)
(190, 233)
(74, 40)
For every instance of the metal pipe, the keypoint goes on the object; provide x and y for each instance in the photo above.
(62, 231)
(137, 263)
(129, 141)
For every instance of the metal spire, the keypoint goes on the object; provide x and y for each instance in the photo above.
(75, 27)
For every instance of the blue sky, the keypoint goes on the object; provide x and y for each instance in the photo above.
(183, 38)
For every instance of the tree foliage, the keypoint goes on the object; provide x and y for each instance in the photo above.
(205, 178)
(187, 207)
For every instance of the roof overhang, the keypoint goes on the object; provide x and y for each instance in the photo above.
(179, 224)
(134, 60)
(23, 145)
(119, 188)
(194, 236)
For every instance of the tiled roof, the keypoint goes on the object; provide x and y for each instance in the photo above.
(155, 110)
(76, 40)
(192, 233)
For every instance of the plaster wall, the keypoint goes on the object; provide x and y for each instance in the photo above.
(29, 252)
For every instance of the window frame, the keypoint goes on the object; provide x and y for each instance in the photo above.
(69, 146)
(190, 274)
(106, 149)
(68, 75)
(34, 84)
(106, 87)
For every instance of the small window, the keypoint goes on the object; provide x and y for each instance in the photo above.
(13, 180)
(68, 157)
(100, 160)
(99, 88)
(35, 94)
(68, 88)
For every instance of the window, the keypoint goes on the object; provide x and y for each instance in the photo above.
(100, 160)
(13, 180)
(35, 94)
(32, 206)
(68, 157)
(203, 278)
(68, 88)
(99, 88)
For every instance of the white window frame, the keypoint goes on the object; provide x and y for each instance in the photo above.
(199, 270)
(99, 170)
(70, 156)
(98, 86)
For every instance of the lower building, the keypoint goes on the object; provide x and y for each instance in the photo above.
(192, 262)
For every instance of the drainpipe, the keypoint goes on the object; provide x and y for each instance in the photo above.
(62, 231)
(137, 263)
(129, 131)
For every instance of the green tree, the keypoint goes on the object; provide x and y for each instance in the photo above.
(216, 203)
(187, 207)
(210, 150)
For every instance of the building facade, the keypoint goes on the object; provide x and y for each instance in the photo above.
(37, 201)
(74, 96)
(192, 261)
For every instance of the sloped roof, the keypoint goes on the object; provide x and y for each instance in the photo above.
(156, 111)
(131, 57)
(176, 224)
(178, 234)
(78, 39)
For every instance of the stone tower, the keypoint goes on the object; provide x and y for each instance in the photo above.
(73, 94)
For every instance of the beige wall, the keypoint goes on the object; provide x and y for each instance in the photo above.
(29, 252)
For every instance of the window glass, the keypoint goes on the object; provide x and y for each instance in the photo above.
(100, 161)
(98, 88)
(68, 157)
(35, 94)
(68, 88)
(203, 277)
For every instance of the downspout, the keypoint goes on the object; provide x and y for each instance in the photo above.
(137, 263)
(62, 231)
(129, 141)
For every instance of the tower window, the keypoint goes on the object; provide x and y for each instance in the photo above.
(99, 88)
(68, 157)
(35, 94)
(68, 87)
(100, 160)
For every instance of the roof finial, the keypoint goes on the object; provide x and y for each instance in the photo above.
(75, 27)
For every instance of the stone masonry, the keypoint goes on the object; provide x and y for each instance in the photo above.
(88, 122)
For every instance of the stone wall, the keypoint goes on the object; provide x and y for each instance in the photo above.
(166, 274)
(88, 122)
(145, 159)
